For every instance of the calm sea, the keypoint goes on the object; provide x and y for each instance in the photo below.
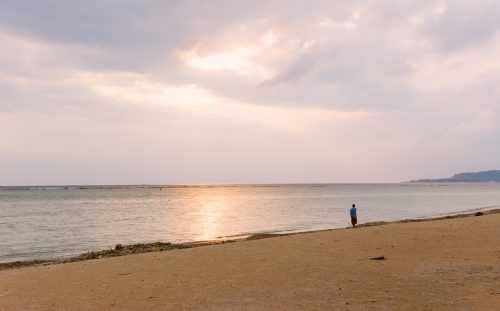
(55, 222)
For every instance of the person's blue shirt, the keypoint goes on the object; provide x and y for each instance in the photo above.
(353, 212)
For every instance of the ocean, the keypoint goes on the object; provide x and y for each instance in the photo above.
(52, 222)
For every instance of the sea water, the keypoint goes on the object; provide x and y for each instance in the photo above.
(49, 222)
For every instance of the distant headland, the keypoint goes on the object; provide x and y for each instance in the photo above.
(483, 176)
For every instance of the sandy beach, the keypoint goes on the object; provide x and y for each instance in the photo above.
(448, 264)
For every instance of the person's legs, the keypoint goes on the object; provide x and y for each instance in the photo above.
(354, 221)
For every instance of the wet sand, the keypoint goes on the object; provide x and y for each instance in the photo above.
(447, 264)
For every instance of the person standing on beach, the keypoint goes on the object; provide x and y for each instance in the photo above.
(354, 217)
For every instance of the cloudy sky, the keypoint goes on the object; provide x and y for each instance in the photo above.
(140, 91)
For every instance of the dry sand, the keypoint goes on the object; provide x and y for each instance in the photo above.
(451, 264)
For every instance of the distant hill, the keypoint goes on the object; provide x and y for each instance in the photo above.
(484, 176)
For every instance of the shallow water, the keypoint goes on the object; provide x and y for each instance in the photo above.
(54, 222)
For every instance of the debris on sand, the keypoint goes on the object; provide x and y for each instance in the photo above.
(119, 250)
(258, 236)
(378, 258)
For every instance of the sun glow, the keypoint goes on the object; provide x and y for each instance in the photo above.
(241, 58)
(229, 60)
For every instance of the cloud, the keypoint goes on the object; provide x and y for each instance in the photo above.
(227, 91)
(462, 24)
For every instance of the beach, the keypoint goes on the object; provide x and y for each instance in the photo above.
(446, 264)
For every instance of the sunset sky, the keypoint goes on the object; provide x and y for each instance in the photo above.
(163, 92)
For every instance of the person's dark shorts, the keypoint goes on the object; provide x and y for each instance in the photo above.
(354, 220)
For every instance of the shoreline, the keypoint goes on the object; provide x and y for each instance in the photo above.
(140, 248)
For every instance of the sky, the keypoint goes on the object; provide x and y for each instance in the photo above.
(283, 91)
